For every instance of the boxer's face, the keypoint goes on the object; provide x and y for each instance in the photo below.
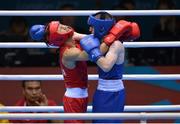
(32, 91)
(91, 29)
(64, 29)
(61, 30)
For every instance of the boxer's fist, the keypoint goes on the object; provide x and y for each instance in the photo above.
(118, 30)
(91, 45)
(37, 32)
(133, 34)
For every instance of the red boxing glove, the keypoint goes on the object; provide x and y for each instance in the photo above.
(133, 34)
(118, 30)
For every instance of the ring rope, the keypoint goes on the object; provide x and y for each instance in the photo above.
(87, 12)
(89, 116)
(93, 77)
(136, 108)
(126, 44)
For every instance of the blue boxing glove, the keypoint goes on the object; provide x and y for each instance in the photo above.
(37, 32)
(91, 45)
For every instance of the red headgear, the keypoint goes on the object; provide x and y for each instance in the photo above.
(55, 38)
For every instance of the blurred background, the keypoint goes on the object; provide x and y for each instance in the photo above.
(154, 28)
(138, 61)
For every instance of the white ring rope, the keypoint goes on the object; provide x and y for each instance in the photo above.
(93, 77)
(87, 12)
(137, 108)
(126, 44)
(89, 116)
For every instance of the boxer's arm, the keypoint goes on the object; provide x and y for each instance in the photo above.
(107, 62)
(78, 36)
(104, 48)
(75, 54)
(78, 55)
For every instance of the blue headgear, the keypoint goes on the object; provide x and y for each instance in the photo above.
(101, 26)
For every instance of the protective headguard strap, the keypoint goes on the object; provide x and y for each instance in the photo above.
(101, 26)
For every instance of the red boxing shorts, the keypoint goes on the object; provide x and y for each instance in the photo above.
(75, 105)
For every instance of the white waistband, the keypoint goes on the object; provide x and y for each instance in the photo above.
(110, 85)
(76, 92)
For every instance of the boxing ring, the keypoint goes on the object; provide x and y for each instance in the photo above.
(142, 113)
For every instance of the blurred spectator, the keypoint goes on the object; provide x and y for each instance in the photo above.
(3, 121)
(68, 20)
(33, 96)
(131, 54)
(17, 32)
(125, 5)
(177, 50)
(71, 20)
(128, 4)
(165, 30)
(98, 4)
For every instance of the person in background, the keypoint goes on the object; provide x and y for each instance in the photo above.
(33, 96)
(166, 29)
(3, 121)
(125, 5)
(71, 20)
(16, 32)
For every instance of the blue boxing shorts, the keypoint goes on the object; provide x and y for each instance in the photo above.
(109, 98)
